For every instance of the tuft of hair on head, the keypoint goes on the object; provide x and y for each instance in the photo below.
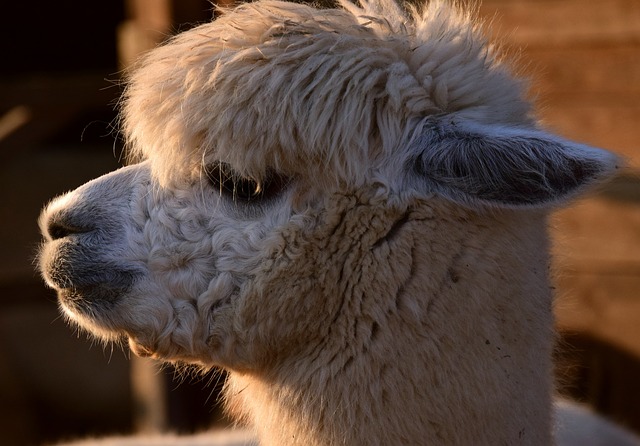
(277, 85)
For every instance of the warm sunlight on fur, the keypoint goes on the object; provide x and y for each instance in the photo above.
(345, 209)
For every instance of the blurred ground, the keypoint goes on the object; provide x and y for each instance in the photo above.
(56, 116)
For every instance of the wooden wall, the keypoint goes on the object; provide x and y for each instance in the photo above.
(584, 59)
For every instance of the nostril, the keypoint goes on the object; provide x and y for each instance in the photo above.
(60, 229)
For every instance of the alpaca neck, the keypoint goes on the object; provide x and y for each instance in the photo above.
(452, 351)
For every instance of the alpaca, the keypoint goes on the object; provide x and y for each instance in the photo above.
(345, 209)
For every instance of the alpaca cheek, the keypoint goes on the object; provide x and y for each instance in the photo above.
(251, 330)
(321, 285)
(229, 345)
(182, 274)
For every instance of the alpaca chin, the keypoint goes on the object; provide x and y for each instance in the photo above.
(140, 349)
(90, 324)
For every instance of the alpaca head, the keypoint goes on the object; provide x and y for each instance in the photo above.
(277, 151)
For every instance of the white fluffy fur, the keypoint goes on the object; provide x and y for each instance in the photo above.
(392, 287)
(264, 85)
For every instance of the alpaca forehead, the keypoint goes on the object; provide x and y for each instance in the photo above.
(288, 86)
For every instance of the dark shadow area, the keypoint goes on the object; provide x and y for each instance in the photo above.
(592, 371)
(57, 384)
(63, 36)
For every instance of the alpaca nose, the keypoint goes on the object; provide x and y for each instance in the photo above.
(64, 218)
(96, 208)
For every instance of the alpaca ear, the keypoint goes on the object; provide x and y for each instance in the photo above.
(505, 166)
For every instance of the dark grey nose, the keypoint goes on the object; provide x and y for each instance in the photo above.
(94, 208)
(85, 237)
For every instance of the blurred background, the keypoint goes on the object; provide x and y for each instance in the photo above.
(59, 83)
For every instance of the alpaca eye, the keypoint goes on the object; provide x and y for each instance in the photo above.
(227, 181)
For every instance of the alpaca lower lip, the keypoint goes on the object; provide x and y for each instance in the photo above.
(103, 284)
(90, 292)
(85, 300)
(101, 290)
(74, 266)
(88, 280)
(91, 299)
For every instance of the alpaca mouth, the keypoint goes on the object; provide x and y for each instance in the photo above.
(91, 301)
(89, 298)
(85, 282)
(91, 308)
(95, 309)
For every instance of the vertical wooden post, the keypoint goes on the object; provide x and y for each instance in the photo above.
(148, 23)
(149, 396)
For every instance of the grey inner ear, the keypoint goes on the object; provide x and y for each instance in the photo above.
(515, 167)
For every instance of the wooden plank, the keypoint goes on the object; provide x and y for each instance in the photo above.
(606, 306)
(50, 104)
(597, 266)
(90, 89)
(598, 233)
(575, 70)
(564, 22)
(608, 126)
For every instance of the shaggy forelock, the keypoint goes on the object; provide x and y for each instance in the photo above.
(283, 86)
